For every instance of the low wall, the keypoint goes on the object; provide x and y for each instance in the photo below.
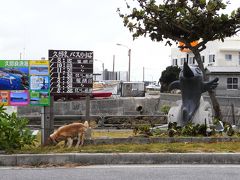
(101, 107)
(127, 106)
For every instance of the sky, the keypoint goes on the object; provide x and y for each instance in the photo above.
(29, 28)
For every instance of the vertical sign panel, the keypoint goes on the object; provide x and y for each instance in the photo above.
(4, 98)
(71, 71)
(39, 83)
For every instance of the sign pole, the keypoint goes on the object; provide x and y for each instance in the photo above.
(87, 115)
(47, 121)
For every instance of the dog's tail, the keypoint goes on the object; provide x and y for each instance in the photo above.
(86, 124)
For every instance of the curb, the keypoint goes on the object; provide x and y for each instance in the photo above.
(119, 158)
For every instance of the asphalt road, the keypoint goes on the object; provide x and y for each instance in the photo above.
(124, 172)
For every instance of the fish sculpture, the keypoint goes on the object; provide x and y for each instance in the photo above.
(192, 85)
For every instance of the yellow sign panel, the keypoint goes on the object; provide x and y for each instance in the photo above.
(39, 67)
(4, 98)
(38, 62)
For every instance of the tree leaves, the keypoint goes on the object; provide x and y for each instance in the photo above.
(169, 75)
(181, 20)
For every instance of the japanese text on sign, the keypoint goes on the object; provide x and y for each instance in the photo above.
(71, 71)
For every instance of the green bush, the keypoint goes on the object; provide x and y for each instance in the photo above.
(165, 109)
(143, 130)
(188, 130)
(13, 131)
(228, 129)
(173, 129)
(194, 130)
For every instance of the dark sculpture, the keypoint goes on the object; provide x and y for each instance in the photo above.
(192, 86)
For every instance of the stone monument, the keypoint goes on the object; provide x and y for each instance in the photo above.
(192, 107)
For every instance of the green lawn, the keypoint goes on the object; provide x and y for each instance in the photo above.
(112, 134)
(133, 148)
(136, 148)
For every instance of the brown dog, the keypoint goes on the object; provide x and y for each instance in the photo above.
(69, 132)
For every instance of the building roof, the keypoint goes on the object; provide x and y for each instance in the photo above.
(223, 69)
(233, 49)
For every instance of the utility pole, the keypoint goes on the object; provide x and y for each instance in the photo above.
(143, 74)
(129, 61)
(103, 76)
(114, 78)
(103, 71)
(129, 64)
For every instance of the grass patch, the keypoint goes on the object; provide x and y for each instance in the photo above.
(218, 147)
(111, 134)
(136, 148)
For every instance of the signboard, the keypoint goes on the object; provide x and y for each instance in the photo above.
(19, 98)
(14, 75)
(21, 80)
(71, 71)
(39, 83)
(4, 98)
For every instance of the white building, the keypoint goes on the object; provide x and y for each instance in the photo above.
(221, 59)
(217, 53)
(228, 83)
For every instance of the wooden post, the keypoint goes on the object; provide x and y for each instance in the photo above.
(233, 115)
(47, 121)
(87, 115)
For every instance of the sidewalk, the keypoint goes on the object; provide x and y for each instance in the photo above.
(119, 158)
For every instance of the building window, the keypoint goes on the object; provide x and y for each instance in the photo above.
(175, 62)
(203, 58)
(228, 57)
(183, 60)
(212, 58)
(232, 83)
(190, 60)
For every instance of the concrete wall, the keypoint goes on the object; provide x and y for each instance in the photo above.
(127, 106)
(100, 107)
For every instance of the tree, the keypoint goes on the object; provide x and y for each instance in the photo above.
(170, 74)
(183, 21)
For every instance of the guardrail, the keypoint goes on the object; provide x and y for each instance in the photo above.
(123, 121)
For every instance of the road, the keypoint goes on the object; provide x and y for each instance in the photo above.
(124, 172)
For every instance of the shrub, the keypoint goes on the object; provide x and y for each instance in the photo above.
(165, 109)
(13, 131)
(188, 130)
(228, 129)
(143, 130)
(194, 130)
(174, 129)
